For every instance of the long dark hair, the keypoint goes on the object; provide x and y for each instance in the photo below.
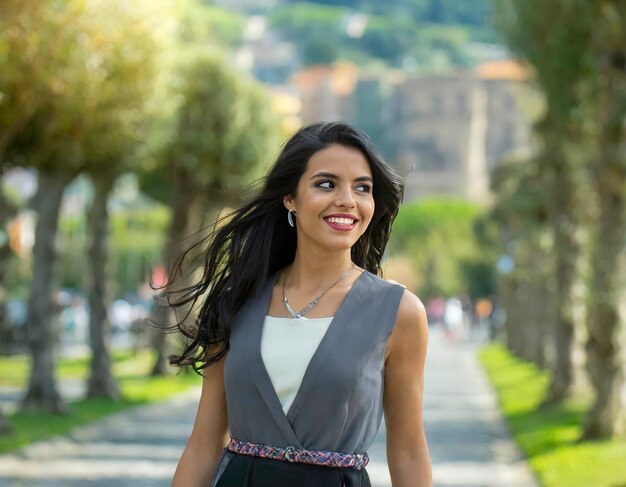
(255, 241)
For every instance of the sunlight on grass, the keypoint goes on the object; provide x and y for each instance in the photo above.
(132, 374)
(548, 437)
(14, 370)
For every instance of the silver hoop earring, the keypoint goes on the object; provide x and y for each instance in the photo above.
(290, 214)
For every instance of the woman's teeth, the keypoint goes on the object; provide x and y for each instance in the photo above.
(340, 221)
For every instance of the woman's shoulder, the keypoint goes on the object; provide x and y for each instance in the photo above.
(380, 281)
(410, 307)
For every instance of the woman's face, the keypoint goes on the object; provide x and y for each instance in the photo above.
(334, 199)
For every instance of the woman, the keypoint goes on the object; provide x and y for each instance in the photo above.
(302, 345)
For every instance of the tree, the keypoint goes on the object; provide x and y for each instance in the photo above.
(606, 95)
(553, 50)
(423, 228)
(521, 213)
(7, 211)
(42, 115)
(61, 108)
(223, 129)
(127, 46)
(586, 98)
(5, 427)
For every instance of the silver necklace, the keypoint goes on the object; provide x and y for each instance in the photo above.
(309, 306)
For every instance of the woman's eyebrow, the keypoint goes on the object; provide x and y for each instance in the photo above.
(330, 175)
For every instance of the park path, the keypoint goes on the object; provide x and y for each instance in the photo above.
(469, 443)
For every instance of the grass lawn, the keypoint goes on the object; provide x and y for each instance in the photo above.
(548, 437)
(130, 370)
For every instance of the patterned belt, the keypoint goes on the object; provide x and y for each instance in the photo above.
(291, 454)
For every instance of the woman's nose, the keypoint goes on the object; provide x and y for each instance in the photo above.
(345, 198)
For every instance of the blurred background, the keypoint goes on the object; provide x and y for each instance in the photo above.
(127, 127)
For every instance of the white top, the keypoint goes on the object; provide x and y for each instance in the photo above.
(287, 346)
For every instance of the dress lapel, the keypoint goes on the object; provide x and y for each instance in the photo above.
(319, 358)
(262, 378)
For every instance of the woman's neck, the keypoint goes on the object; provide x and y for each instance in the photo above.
(309, 273)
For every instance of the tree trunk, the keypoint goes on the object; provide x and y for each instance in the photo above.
(42, 393)
(510, 300)
(604, 354)
(5, 427)
(101, 382)
(524, 294)
(182, 199)
(605, 362)
(531, 320)
(565, 227)
(7, 336)
(537, 321)
(525, 313)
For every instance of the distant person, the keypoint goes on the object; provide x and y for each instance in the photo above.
(298, 336)
(496, 318)
(469, 318)
(436, 309)
(454, 319)
(483, 310)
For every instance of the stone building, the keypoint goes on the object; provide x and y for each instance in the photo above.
(452, 130)
(444, 132)
(325, 91)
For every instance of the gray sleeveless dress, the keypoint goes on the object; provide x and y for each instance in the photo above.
(339, 405)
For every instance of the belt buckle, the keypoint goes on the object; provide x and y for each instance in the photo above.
(289, 454)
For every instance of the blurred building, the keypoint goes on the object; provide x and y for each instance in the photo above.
(446, 131)
(264, 53)
(325, 91)
(343, 92)
(452, 130)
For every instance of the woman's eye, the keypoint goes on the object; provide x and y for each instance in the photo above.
(366, 188)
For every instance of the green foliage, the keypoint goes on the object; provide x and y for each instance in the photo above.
(391, 33)
(42, 79)
(418, 219)
(136, 240)
(438, 235)
(479, 275)
(548, 436)
(75, 79)
(222, 129)
(316, 30)
(530, 30)
(127, 45)
(307, 16)
(200, 23)
(522, 197)
(388, 38)
(477, 12)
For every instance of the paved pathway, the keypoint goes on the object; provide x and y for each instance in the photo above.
(469, 444)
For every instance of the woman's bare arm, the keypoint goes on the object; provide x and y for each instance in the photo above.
(209, 435)
(407, 451)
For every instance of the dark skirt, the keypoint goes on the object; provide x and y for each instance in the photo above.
(250, 471)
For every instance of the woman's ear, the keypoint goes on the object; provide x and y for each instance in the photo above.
(288, 202)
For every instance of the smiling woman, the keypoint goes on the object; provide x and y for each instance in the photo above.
(333, 204)
(295, 400)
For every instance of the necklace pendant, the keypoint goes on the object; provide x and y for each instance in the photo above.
(292, 311)
(308, 308)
